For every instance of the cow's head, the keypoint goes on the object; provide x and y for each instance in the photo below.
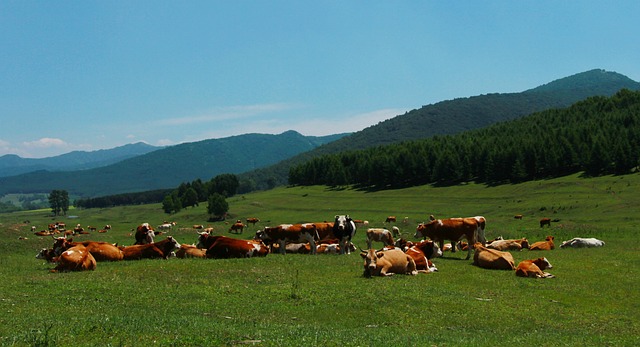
(60, 244)
(524, 243)
(543, 263)
(371, 258)
(340, 222)
(202, 237)
(174, 243)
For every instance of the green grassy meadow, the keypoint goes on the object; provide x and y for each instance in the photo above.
(323, 300)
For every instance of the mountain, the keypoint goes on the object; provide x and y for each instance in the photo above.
(11, 164)
(170, 166)
(458, 115)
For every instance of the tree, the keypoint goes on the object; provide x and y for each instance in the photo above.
(190, 198)
(217, 206)
(59, 202)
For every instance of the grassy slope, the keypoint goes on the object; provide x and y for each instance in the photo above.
(323, 300)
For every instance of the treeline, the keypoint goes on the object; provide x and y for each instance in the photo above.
(600, 135)
(139, 198)
(189, 194)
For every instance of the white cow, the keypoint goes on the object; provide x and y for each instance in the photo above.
(580, 242)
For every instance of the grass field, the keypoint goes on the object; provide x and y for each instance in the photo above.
(323, 300)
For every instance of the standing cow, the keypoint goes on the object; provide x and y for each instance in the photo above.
(344, 229)
(454, 229)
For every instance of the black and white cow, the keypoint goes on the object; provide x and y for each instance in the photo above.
(344, 229)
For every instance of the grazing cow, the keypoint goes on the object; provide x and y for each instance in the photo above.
(101, 251)
(509, 245)
(379, 235)
(344, 229)
(190, 251)
(390, 219)
(518, 216)
(395, 231)
(284, 233)
(325, 231)
(545, 221)
(223, 247)
(492, 259)
(545, 245)
(144, 234)
(387, 263)
(237, 226)
(453, 229)
(252, 220)
(163, 249)
(422, 253)
(533, 268)
(76, 258)
(580, 242)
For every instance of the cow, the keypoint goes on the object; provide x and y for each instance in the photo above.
(107, 227)
(165, 226)
(518, 216)
(545, 245)
(284, 233)
(422, 253)
(324, 230)
(237, 226)
(387, 263)
(361, 223)
(344, 229)
(252, 220)
(44, 233)
(379, 235)
(163, 249)
(492, 259)
(533, 268)
(453, 229)
(101, 251)
(509, 245)
(395, 231)
(198, 226)
(47, 254)
(91, 228)
(223, 247)
(580, 242)
(144, 234)
(78, 230)
(545, 221)
(33, 228)
(390, 219)
(190, 251)
(76, 258)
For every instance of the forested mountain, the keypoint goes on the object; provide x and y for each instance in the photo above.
(455, 116)
(11, 164)
(170, 166)
(600, 135)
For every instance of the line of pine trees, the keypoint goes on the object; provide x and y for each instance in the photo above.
(597, 136)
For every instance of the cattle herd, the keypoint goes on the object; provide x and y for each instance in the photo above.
(395, 257)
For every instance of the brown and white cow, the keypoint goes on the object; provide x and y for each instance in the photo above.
(325, 230)
(237, 227)
(76, 258)
(100, 250)
(284, 233)
(252, 220)
(190, 251)
(163, 249)
(492, 259)
(453, 229)
(379, 235)
(47, 254)
(545, 245)
(223, 247)
(344, 229)
(509, 245)
(390, 219)
(422, 253)
(387, 263)
(533, 268)
(144, 234)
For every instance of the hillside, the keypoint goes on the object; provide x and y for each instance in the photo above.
(168, 167)
(458, 115)
(11, 164)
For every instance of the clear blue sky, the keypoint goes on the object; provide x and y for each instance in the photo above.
(88, 75)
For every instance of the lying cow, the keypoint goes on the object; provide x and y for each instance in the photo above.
(163, 249)
(387, 263)
(580, 242)
(453, 229)
(190, 251)
(492, 259)
(509, 245)
(422, 253)
(379, 235)
(545, 245)
(144, 234)
(533, 268)
(223, 247)
(101, 251)
(76, 258)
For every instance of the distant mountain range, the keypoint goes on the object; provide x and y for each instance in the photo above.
(170, 166)
(264, 160)
(11, 164)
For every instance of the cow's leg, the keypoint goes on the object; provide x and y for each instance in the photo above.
(343, 245)
(282, 246)
(454, 245)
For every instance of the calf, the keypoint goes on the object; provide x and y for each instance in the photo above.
(76, 258)
(387, 263)
(545, 245)
(163, 249)
(533, 268)
(379, 235)
(579, 242)
(492, 259)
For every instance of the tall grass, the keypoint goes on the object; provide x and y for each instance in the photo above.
(323, 300)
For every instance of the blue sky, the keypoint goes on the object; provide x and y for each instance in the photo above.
(89, 75)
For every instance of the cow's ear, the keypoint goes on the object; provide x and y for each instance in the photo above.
(363, 254)
(380, 254)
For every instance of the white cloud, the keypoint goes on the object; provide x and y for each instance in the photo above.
(46, 142)
(227, 113)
